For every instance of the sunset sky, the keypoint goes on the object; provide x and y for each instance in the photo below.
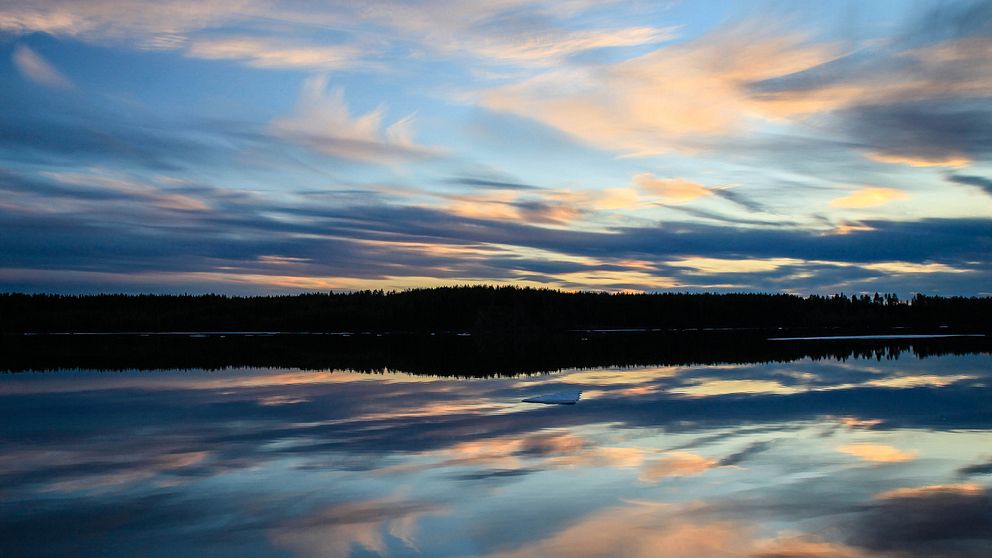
(277, 147)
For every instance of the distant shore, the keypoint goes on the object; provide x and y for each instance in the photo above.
(487, 310)
(465, 355)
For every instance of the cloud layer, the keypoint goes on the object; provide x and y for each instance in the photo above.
(288, 146)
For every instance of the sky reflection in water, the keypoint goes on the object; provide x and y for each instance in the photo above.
(850, 458)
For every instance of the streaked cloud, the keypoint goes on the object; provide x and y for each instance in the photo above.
(726, 387)
(335, 530)
(976, 181)
(718, 265)
(271, 53)
(322, 122)
(662, 100)
(877, 453)
(676, 464)
(546, 48)
(970, 489)
(114, 185)
(675, 190)
(909, 267)
(921, 160)
(868, 197)
(276, 147)
(639, 528)
(37, 69)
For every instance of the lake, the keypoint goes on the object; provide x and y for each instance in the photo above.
(837, 450)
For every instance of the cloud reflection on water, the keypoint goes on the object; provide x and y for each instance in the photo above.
(854, 458)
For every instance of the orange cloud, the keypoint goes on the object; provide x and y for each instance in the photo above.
(920, 380)
(968, 489)
(877, 453)
(855, 422)
(910, 267)
(676, 190)
(710, 266)
(157, 197)
(648, 530)
(616, 198)
(868, 197)
(662, 100)
(725, 387)
(638, 531)
(676, 464)
(921, 160)
(138, 472)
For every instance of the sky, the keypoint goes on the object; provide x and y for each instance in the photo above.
(251, 147)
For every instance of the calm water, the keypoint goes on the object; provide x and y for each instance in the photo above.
(826, 458)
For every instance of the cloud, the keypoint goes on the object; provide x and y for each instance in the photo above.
(977, 469)
(103, 20)
(727, 387)
(333, 531)
(614, 198)
(276, 53)
(911, 100)
(109, 186)
(666, 99)
(877, 453)
(513, 203)
(947, 160)
(680, 190)
(737, 265)
(676, 464)
(934, 520)
(639, 529)
(964, 489)
(517, 33)
(35, 68)
(926, 133)
(977, 181)
(489, 183)
(740, 456)
(55, 227)
(868, 197)
(674, 190)
(908, 267)
(544, 47)
(739, 199)
(321, 121)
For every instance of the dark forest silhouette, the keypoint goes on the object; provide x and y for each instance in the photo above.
(449, 354)
(482, 309)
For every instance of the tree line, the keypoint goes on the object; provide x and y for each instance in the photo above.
(483, 309)
(448, 354)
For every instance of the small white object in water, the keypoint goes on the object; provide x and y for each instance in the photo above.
(570, 397)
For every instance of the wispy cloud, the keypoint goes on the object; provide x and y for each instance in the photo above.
(322, 122)
(878, 453)
(544, 47)
(494, 143)
(674, 190)
(921, 160)
(276, 53)
(35, 68)
(868, 197)
(662, 100)
(977, 181)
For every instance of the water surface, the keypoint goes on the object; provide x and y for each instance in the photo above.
(829, 457)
